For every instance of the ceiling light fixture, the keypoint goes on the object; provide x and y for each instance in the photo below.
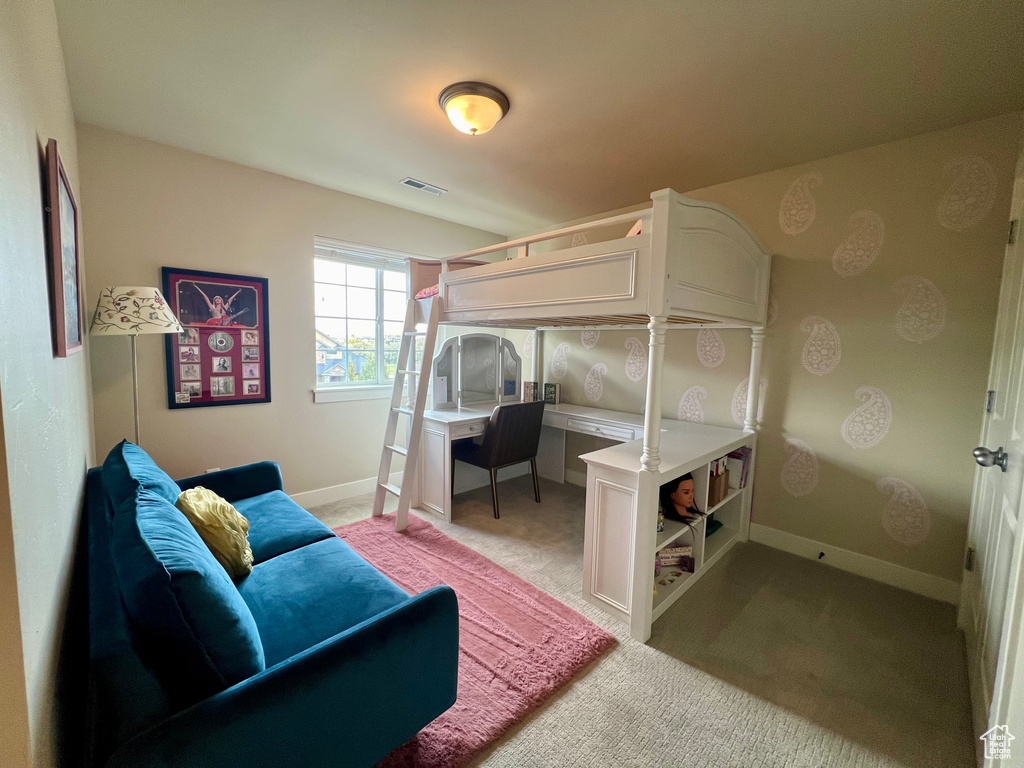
(473, 108)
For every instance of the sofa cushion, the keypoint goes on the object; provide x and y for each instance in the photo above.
(277, 524)
(312, 593)
(198, 633)
(129, 468)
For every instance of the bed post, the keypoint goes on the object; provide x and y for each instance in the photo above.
(538, 359)
(651, 459)
(751, 421)
(645, 512)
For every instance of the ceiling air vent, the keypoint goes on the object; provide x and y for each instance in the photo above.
(423, 186)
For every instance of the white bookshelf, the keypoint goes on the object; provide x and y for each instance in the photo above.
(621, 538)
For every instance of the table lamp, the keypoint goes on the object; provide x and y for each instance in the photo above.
(131, 310)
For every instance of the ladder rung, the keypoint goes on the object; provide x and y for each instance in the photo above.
(391, 488)
(411, 373)
(397, 449)
(415, 333)
(406, 411)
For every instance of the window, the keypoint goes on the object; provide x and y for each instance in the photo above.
(361, 298)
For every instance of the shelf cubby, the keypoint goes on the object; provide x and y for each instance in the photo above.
(621, 537)
(666, 592)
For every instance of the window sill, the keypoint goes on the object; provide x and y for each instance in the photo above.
(351, 394)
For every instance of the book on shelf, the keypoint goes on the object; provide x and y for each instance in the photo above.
(674, 555)
(552, 394)
(718, 488)
(742, 454)
(530, 391)
(677, 549)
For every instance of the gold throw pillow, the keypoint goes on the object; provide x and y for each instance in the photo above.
(221, 527)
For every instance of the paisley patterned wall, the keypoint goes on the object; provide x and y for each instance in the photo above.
(882, 309)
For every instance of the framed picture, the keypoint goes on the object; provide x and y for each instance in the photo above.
(223, 355)
(62, 216)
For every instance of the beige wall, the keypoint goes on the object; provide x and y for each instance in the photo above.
(942, 200)
(46, 413)
(149, 205)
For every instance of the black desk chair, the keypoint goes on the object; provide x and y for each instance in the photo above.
(511, 437)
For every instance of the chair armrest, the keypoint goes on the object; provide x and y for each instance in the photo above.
(239, 482)
(349, 700)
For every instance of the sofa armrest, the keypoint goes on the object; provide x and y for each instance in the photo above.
(349, 700)
(239, 482)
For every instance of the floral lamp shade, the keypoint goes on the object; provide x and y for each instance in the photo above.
(133, 310)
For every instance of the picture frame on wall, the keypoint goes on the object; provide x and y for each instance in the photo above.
(62, 225)
(223, 355)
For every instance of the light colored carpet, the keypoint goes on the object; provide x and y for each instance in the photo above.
(769, 660)
(517, 644)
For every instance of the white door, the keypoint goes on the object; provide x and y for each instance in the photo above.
(991, 600)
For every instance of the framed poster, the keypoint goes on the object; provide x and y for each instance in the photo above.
(223, 355)
(62, 214)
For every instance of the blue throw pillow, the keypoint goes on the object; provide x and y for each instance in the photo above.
(129, 468)
(196, 631)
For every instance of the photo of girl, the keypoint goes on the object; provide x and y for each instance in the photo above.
(189, 336)
(677, 500)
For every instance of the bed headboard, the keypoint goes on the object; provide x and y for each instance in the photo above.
(716, 266)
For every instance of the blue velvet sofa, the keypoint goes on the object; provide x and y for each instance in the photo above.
(313, 659)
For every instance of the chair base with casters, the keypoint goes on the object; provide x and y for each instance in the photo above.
(511, 437)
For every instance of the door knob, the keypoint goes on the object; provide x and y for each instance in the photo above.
(987, 458)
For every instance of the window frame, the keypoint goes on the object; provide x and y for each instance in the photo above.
(381, 260)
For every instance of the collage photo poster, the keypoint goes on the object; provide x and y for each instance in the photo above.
(222, 357)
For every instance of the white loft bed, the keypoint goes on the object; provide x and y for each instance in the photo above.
(694, 264)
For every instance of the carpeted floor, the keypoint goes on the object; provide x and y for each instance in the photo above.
(517, 644)
(770, 660)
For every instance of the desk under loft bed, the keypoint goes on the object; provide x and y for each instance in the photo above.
(689, 264)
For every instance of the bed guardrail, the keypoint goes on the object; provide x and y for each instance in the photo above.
(522, 244)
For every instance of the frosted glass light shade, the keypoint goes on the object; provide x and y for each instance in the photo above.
(133, 310)
(473, 108)
(473, 114)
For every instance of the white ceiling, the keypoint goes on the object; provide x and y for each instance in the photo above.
(610, 99)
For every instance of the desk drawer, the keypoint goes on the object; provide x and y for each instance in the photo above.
(555, 419)
(601, 430)
(469, 430)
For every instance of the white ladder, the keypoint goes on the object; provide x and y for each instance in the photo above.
(417, 380)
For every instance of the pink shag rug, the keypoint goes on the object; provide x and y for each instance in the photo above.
(517, 644)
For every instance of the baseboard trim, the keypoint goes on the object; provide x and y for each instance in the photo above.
(926, 584)
(576, 478)
(333, 493)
